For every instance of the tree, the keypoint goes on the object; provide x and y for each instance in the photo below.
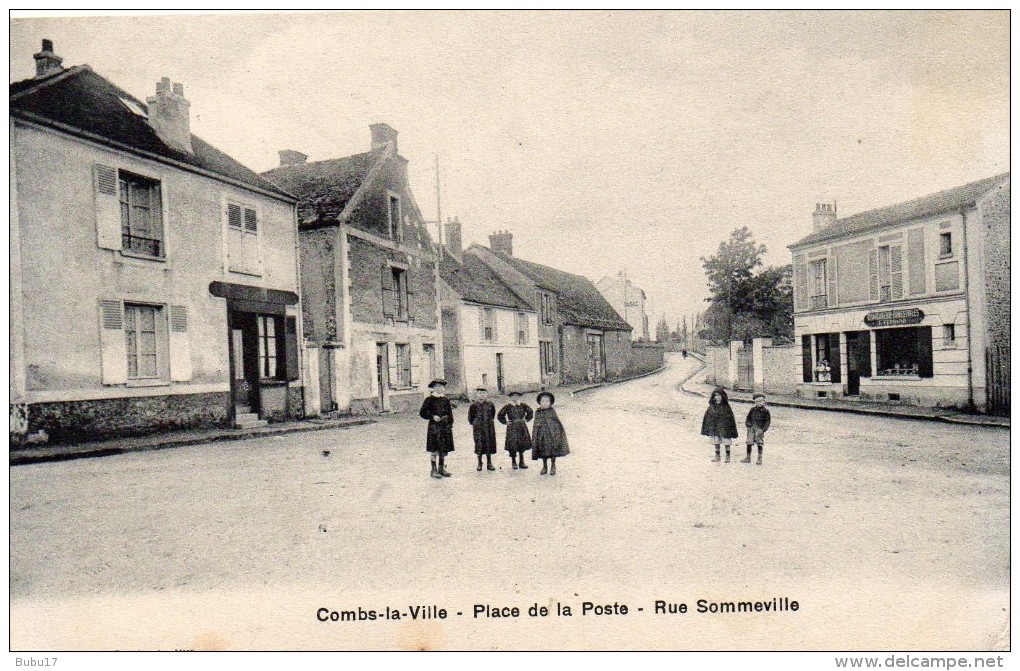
(662, 330)
(746, 302)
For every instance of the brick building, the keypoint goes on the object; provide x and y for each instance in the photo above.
(368, 279)
(909, 303)
(153, 278)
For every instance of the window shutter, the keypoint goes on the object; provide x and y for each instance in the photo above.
(896, 271)
(291, 350)
(391, 354)
(415, 369)
(834, 358)
(800, 282)
(481, 324)
(113, 345)
(495, 321)
(873, 274)
(387, 291)
(830, 269)
(108, 234)
(806, 357)
(924, 351)
(915, 261)
(180, 344)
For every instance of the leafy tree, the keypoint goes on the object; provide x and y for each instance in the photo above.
(662, 330)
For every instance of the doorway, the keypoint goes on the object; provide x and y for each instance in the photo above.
(382, 369)
(244, 363)
(595, 368)
(858, 360)
(499, 372)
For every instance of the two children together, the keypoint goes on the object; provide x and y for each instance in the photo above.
(720, 426)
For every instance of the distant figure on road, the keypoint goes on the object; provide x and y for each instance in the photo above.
(516, 415)
(719, 424)
(685, 353)
(480, 416)
(439, 439)
(549, 436)
(758, 421)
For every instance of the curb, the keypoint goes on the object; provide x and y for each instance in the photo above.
(620, 381)
(949, 419)
(21, 457)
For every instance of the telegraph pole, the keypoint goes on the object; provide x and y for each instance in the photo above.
(439, 210)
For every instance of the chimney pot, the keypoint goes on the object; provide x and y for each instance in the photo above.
(179, 89)
(170, 115)
(47, 62)
(454, 239)
(823, 217)
(502, 242)
(383, 134)
(291, 157)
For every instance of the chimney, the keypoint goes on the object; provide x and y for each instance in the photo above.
(169, 115)
(824, 216)
(454, 241)
(381, 135)
(291, 157)
(502, 242)
(47, 62)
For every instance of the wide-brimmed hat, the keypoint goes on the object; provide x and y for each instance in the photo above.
(758, 395)
(481, 389)
(515, 393)
(438, 382)
(541, 395)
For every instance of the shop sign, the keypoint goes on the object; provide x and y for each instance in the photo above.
(894, 317)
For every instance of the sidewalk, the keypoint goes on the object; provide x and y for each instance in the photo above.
(693, 386)
(34, 454)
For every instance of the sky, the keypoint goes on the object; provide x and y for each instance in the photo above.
(604, 141)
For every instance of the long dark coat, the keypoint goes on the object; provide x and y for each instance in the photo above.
(549, 438)
(516, 418)
(719, 420)
(440, 434)
(481, 415)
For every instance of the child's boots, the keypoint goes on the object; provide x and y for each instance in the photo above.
(716, 457)
(727, 454)
(759, 455)
(523, 465)
(435, 471)
(747, 459)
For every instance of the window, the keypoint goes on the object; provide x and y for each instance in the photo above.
(522, 328)
(403, 365)
(400, 292)
(394, 218)
(142, 327)
(141, 218)
(429, 352)
(949, 335)
(547, 360)
(547, 309)
(904, 351)
(945, 245)
(488, 325)
(268, 347)
(827, 359)
(817, 276)
(243, 235)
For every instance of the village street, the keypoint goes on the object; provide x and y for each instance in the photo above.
(889, 534)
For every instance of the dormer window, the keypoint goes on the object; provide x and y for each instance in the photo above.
(135, 108)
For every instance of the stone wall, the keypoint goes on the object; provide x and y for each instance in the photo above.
(995, 222)
(646, 357)
(781, 369)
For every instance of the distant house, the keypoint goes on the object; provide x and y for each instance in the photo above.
(628, 301)
(153, 278)
(909, 303)
(368, 277)
(581, 337)
(490, 334)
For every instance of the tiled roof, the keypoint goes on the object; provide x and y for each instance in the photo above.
(578, 300)
(323, 187)
(478, 283)
(934, 204)
(79, 99)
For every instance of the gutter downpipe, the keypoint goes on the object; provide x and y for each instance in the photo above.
(966, 292)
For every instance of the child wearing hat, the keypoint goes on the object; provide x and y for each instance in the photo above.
(439, 439)
(516, 415)
(758, 421)
(718, 423)
(549, 438)
(480, 416)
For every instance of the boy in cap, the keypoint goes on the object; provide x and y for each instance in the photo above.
(516, 415)
(758, 421)
(481, 415)
(439, 439)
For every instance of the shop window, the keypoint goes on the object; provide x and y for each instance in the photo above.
(904, 352)
(826, 368)
(269, 347)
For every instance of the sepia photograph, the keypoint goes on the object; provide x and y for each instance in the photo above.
(511, 331)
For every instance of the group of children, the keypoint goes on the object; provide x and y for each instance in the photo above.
(720, 426)
(547, 441)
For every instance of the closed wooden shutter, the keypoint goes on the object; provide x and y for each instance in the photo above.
(806, 357)
(915, 261)
(391, 354)
(834, 358)
(830, 269)
(416, 360)
(896, 271)
(800, 293)
(481, 324)
(180, 344)
(873, 275)
(108, 227)
(387, 290)
(291, 350)
(113, 345)
(924, 351)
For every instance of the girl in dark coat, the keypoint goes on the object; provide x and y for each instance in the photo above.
(549, 439)
(516, 415)
(719, 424)
(481, 415)
(439, 439)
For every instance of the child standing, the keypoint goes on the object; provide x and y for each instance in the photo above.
(439, 439)
(719, 424)
(516, 415)
(758, 421)
(549, 437)
(481, 415)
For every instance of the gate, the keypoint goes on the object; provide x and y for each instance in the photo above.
(745, 369)
(997, 379)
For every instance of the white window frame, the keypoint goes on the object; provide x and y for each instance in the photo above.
(161, 339)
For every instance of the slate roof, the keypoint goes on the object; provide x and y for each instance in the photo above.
(79, 99)
(323, 187)
(478, 283)
(578, 301)
(933, 204)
